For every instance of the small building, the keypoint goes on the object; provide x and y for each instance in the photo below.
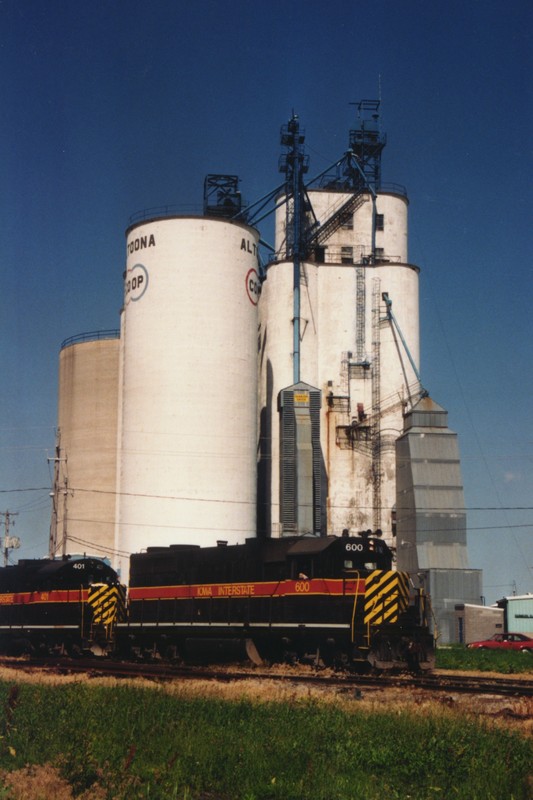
(518, 613)
(474, 623)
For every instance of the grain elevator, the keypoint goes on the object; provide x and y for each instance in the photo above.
(272, 395)
(334, 271)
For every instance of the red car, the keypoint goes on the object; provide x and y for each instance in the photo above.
(506, 641)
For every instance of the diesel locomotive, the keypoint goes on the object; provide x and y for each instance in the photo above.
(65, 606)
(329, 600)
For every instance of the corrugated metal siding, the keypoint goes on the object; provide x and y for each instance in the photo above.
(435, 419)
(288, 515)
(289, 458)
(463, 584)
(430, 499)
(520, 614)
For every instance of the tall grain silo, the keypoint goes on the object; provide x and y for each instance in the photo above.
(83, 518)
(188, 394)
(354, 266)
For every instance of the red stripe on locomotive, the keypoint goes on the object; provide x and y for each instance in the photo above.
(55, 596)
(316, 586)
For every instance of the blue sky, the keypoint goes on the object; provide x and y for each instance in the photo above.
(112, 107)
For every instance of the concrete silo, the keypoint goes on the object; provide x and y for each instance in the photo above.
(353, 265)
(85, 466)
(188, 393)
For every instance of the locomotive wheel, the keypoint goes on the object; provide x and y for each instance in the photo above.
(172, 654)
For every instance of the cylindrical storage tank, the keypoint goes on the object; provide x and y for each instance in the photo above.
(367, 373)
(187, 450)
(276, 371)
(391, 226)
(400, 283)
(352, 241)
(348, 350)
(84, 497)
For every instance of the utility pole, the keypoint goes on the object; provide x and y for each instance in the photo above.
(9, 542)
(65, 496)
(54, 494)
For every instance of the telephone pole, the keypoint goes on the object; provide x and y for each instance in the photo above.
(54, 494)
(10, 542)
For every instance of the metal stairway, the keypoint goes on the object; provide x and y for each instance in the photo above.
(334, 222)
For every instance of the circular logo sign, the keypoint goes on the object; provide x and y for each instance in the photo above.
(136, 282)
(253, 286)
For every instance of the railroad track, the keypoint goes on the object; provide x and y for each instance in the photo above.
(344, 682)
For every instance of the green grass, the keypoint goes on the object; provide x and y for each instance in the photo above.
(459, 657)
(144, 743)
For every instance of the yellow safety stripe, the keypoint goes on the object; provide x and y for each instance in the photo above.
(386, 596)
(107, 603)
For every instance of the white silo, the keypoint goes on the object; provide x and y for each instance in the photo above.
(187, 449)
(83, 517)
(349, 350)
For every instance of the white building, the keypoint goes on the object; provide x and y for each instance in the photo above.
(350, 352)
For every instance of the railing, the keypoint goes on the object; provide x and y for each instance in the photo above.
(92, 336)
(394, 188)
(166, 211)
(353, 254)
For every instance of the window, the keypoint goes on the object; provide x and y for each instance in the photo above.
(380, 222)
(346, 255)
(347, 222)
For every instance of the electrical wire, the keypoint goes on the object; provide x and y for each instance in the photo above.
(449, 509)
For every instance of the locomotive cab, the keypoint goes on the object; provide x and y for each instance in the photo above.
(363, 553)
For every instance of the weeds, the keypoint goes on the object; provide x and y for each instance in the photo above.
(115, 743)
(507, 662)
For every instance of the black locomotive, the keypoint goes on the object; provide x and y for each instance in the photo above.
(330, 600)
(68, 606)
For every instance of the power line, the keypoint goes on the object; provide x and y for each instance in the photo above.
(29, 489)
(252, 533)
(450, 509)
(101, 548)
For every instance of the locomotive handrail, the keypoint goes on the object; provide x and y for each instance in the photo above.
(352, 627)
(82, 631)
(374, 604)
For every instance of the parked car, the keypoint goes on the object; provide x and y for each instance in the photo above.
(506, 641)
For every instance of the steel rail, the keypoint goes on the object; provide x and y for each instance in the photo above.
(345, 681)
